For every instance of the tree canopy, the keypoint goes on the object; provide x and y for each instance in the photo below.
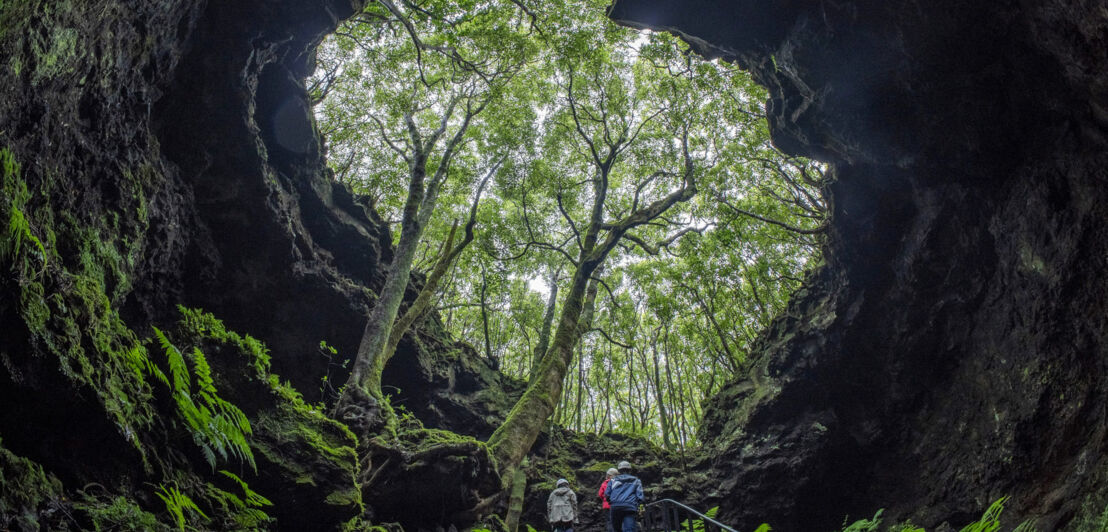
(633, 227)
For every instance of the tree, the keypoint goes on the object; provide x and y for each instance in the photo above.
(626, 136)
(428, 92)
(602, 147)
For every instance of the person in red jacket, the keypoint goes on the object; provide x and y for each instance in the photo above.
(604, 487)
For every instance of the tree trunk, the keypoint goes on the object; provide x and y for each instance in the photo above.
(365, 374)
(672, 393)
(510, 443)
(658, 394)
(515, 498)
(485, 315)
(514, 438)
(547, 322)
(580, 384)
(608, 391)
(361, 401)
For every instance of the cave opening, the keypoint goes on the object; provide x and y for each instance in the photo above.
(517, 125)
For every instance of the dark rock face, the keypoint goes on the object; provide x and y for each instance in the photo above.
(952, 350)
(157, 154)
(285, 253)
(447, 385)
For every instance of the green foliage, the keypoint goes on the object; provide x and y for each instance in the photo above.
(66, 305)
(295, 440)
(1091, 517)
(207, 326)
(218, 427)
(244, 511)
(906, 526)
(764, 527)
(118, 513)
(26, 491)
(179, 505)
(864, 525)
(687, 294)
(989, 522)
(697, 525)
(18, 235)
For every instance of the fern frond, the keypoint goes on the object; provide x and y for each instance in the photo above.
(252, 497)
(218, 427)
(177, 503)
(990, 521)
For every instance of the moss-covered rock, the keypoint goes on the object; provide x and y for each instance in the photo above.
(306, 462)
(425, 478)
(30, 498)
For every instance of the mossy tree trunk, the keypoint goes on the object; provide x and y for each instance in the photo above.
(511, 442)
(547, 323)
(450, 253)
(362, 396)
(515, 498)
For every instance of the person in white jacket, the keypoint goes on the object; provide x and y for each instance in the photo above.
(561, 507)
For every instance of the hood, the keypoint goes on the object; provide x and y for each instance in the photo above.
(562, 491)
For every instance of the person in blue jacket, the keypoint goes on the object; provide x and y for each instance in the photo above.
(624, 494)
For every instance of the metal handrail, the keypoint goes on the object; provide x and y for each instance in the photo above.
(671, 518)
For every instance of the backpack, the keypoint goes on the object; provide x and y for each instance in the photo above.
(621, 491)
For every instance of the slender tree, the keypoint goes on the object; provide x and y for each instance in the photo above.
(604, 129)
(427, 94)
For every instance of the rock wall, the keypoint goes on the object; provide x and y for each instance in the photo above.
(158, 154)
(953, 348)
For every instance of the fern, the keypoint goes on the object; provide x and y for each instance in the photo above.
(142, 365)
(218, 427)
(865, 525)
(244, 511)
(906, 526)
(698, 524)
(177, 503)
(990, 521)
(252, 497)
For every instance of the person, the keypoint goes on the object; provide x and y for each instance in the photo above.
(604, 500)
(624, 495)
(561, 507)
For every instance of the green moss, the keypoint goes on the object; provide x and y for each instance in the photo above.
(13, 16)
(601, 467)
(66, 310)
(26, 491)
(36, 311)
(303, 445)
(17, 242)
(293, 439)
(76, 323)
(205, 327)
(56, 54)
